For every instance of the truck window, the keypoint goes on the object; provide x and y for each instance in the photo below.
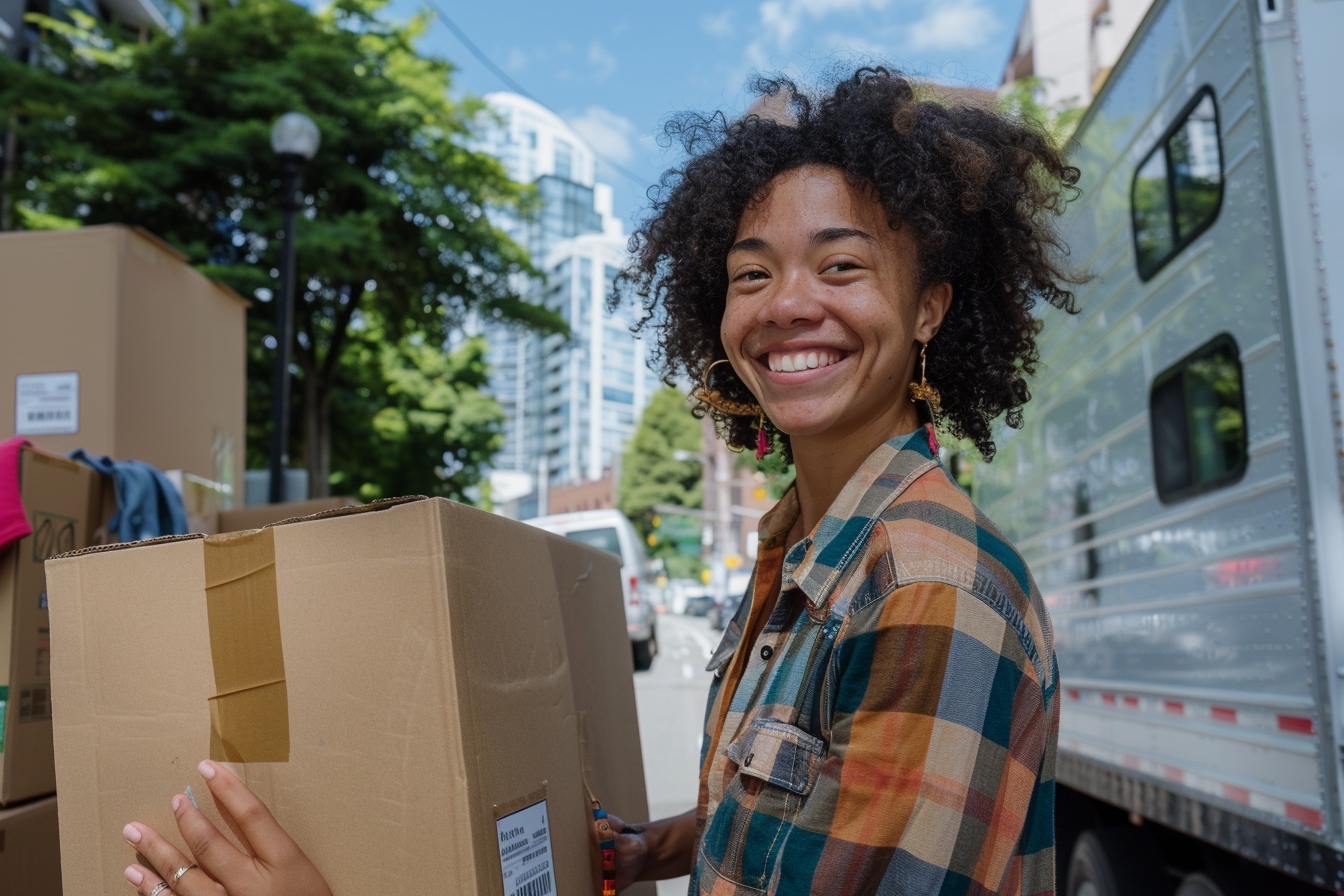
(1198, 414)
(1178, 187)
(605, 539)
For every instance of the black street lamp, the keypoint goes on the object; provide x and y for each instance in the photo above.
(294, 138)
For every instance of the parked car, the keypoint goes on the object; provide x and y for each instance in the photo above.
(732, 599)
(610, 531)
(700, 601)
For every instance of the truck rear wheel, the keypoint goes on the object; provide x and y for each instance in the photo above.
(644, 651)
(1117, 862)
(1201, 884)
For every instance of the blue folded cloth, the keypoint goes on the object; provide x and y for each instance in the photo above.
(148, 505)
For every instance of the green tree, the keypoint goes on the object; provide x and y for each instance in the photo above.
(432, 428)
(651, 472)
(172, 133)
(1021, 98)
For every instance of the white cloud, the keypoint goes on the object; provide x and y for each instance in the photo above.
(602, 62)
(517, 60)
(720, 25)
(781, 19)
(609, 134)
(958, 25)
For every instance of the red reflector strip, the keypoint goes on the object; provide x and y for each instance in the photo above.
(1309, 817)
(1172, 773)
(1108, 699)
(1173, 707)
(1132, 702)
(1297, 725)
(1237, 794)
(1223, 714)
(1073, 694)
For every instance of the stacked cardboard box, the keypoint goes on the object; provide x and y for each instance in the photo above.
(60, 498)
(111, 342)
(407, 685)
(30, 853)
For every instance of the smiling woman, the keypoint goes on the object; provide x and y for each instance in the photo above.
(835, 272)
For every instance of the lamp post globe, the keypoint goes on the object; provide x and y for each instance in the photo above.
(295, 138)
(295, 134)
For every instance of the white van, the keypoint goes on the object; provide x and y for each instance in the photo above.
(609, 530)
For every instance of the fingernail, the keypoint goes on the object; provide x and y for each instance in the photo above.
(206, 769)
(132, 834)
(177, 803)
(135, 877)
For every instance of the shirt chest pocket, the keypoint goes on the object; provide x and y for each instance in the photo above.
(779, 754)
(777, 766)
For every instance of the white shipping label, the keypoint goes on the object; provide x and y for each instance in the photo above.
(46, 404)
(525, 852)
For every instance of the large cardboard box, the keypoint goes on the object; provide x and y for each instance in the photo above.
(110, 341)
(396, 681)
(30, 851)
(61, 499)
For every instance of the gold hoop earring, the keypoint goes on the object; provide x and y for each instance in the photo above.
(715, 399)
(927, 400)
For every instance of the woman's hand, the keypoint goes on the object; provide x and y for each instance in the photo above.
(632, 850)
(655, 850)
(270, 863)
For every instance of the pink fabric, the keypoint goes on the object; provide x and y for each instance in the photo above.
(13, 519)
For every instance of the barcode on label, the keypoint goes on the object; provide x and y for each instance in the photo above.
(540, 886)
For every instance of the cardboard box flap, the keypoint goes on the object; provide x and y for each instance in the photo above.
(351, 509)
(123, 545)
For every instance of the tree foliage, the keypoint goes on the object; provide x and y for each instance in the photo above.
(432, 428)
(652, 474)
(1022, 98)
(172, 134)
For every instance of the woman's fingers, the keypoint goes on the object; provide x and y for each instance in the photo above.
(165, 860)
(246, 815)
(211, 849)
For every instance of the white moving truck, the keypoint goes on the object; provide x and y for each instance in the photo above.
(1177, 486)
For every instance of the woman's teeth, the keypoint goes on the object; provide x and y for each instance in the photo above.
(789, 362)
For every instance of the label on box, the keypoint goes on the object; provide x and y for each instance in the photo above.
(46, 404)
(525, 852)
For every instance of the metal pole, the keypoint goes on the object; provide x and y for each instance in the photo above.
(291, 181)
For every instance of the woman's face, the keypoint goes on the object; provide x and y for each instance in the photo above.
(824, 311)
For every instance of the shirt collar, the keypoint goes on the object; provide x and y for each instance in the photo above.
(815, 563)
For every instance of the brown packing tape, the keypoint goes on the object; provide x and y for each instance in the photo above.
(249, 714)
(502, 809)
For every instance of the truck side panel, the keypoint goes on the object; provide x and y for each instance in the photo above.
(1186, 631)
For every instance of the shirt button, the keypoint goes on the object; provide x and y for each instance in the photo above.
(767, 651)
(746, 763)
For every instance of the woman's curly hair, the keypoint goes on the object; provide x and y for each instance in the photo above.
(977, 189)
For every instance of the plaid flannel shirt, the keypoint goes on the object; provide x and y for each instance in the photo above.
(892, 730)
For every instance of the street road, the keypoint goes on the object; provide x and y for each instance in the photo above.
(671, 702)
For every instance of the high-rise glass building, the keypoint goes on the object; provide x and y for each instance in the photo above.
(570, 403)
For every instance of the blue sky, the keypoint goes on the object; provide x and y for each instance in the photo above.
(615, 70)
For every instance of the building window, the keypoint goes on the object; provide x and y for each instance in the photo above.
(1198, 413)
(564, 160)
(1178, 187)
(617, 395)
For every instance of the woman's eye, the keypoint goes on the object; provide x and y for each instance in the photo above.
(841, 266)
(752, 275)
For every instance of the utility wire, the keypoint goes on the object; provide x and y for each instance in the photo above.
(513, 85)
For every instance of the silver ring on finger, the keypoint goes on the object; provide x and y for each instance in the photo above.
(183, 870)
(159, 888)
